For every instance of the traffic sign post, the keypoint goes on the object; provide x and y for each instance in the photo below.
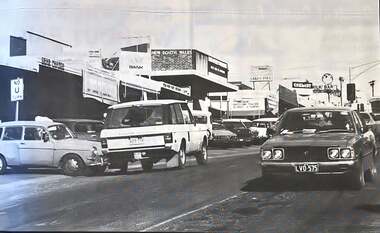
(17, 93)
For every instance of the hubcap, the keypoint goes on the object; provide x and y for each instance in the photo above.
(204, 151)
(1, 164)
(72, 164)
(182, 156)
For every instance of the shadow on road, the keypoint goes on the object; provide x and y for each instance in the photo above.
(297, 184)
(47, 171)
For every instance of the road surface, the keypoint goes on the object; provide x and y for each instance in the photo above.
(227, 195)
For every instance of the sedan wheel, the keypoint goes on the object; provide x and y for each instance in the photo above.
(372, 172)
(3, 165)
(358, 181)
(73, 166)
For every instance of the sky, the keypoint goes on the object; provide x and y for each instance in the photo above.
(299, 38)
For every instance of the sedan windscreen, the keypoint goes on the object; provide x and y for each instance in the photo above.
(138, 116)
(316, 121)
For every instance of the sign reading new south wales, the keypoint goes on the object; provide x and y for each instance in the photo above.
(302, 85)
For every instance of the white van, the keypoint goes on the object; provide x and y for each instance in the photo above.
(151, 130)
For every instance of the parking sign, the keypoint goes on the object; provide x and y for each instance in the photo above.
(17, 89)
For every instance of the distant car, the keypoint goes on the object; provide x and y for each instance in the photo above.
(150, 131)
(263, 126)
(47, 144)
(320, 141)
(84, 128)
(376, 118)
(241, 127)
(222, 136)
(368, 118)
(203, 120)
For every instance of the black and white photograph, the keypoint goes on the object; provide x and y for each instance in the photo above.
(257, 116)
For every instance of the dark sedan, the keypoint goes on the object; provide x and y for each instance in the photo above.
(320, 141)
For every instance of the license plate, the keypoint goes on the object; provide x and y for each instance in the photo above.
(306, 167)
(134, 141)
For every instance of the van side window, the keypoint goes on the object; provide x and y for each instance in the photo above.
(178, 113)
(188, 117)
(173, 115)
(12, 133)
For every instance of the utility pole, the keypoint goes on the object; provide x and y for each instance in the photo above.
(372, 84)
(341, 80)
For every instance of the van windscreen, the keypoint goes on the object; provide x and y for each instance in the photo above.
(137, 116)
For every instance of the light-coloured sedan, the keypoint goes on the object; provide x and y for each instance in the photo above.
(47, 144)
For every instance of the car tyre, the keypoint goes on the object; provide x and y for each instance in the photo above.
(202, 157)
(73, 166)
(147, 165)
(181, 157)
(357, 179)
(3, 165)
(124, 167)
(371, 174)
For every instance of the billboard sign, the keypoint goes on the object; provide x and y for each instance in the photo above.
(172, 59)
(261, 74)
(307, 85)
(247, 104)
(135, 62)
(100, 85)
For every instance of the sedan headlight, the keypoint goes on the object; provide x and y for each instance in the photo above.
(278, 154)
(333, 153)
(266, 154)
(340, 153)
(346, 153)
(94, 151)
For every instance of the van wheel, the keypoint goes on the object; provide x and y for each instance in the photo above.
(147, 165)
(3, 165)
(124, 167)
(73, 166)
(181, 157)
(202, 157)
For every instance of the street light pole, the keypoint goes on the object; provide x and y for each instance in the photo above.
(341, 80)
(372, 84)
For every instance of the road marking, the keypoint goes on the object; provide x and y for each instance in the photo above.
(190, 212)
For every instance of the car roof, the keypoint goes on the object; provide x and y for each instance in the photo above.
(268, 119)
(146, 103)
(29, 123)
(236, 120)
(77, 120)
(306, 109)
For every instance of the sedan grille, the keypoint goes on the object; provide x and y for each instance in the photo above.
(305, 154)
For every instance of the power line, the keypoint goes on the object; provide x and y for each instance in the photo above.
(225, 12)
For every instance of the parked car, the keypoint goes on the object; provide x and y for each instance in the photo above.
(241, 127)
(320, 141)
(151, 130)
(376, 118)
(84, 128)
(203, 120)
(222, 136)
(263, 126)
(47, 144)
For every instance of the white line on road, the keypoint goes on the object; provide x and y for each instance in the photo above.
(190, 212)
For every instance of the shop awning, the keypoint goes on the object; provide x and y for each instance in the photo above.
(139, 82)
